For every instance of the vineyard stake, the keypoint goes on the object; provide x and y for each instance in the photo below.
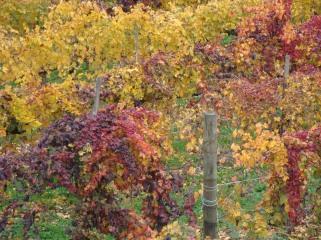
(209, 199)
(97, 96)
(287, 68)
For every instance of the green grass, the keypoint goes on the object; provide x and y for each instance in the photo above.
(225, 136)
(52, 223)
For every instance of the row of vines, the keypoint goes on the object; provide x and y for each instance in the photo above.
(162, 63)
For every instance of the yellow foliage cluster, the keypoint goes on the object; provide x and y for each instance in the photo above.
(20, 15)
(178, 231)
(207, 21)
(38, 109)
(167, 4)
(302, 102)
(261, 147)
(126, 83)
(253, 224)
(77, 41)
(304, 9)
(156, 83)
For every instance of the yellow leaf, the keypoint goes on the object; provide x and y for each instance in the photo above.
(235, 147)
(191, 171)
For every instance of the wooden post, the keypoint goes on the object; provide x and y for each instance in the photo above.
(210, 176)
(287, 66)
(97, 96)
(136, 41)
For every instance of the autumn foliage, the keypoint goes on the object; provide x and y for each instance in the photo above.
(162, 64)
(97, 157)
(270, 106)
